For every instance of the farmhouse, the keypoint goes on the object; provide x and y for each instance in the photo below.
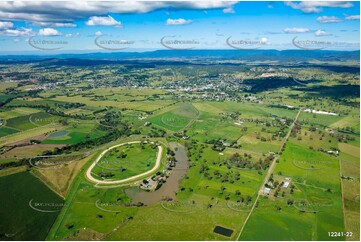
(286, 184)
(225, 143)
(333, 152)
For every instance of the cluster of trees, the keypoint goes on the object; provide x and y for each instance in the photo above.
(233, 115)
(70, 105)
(156, 132)
(111, 119)
(245, 161)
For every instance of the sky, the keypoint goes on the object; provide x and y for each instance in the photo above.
(72, 26)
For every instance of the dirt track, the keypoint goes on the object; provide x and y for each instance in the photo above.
(133, 178)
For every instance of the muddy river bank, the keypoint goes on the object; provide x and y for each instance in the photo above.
(168, 189)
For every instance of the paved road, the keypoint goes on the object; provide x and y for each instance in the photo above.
(129, 179)
(270, 171)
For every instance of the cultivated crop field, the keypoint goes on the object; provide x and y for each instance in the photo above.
(34, 207)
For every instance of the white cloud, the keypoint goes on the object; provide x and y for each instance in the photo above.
(264, 40)
(6, 25)
(328, 19)
(317, 6)
(49, 11)
(270, 6)
(72, 35)
(68, 25)
(102, 21)
(17, 32)
(98, 33)
(352, 17)
(228, 10)
(48, 32)
(321, 33)
(296, 30)
(180, 21)
(54, 25)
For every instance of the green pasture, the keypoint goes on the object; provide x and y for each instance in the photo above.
(19, 221)
(6, 131)
(176, 119)
(126, 161)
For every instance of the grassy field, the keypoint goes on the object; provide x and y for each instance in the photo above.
(60, 177)
(4, 131)
(12, 170)
(74, 133)
(350, 167)
(16, 112)
(18, 192)
(113, 221)
(126, 161)
(176, 119)
(28, 134)
(196, 222)
(246, 109)
(322, 209)
(20, 123)
(210, 127)
(288, 224)
(31, 121)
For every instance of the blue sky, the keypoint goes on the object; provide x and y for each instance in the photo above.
(139, 26)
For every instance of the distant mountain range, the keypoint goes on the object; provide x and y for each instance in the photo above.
(246, 55)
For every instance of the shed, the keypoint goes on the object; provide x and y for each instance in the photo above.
(267, 190)
(286, 184)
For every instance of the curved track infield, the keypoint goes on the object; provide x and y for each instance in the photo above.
(129, 179)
